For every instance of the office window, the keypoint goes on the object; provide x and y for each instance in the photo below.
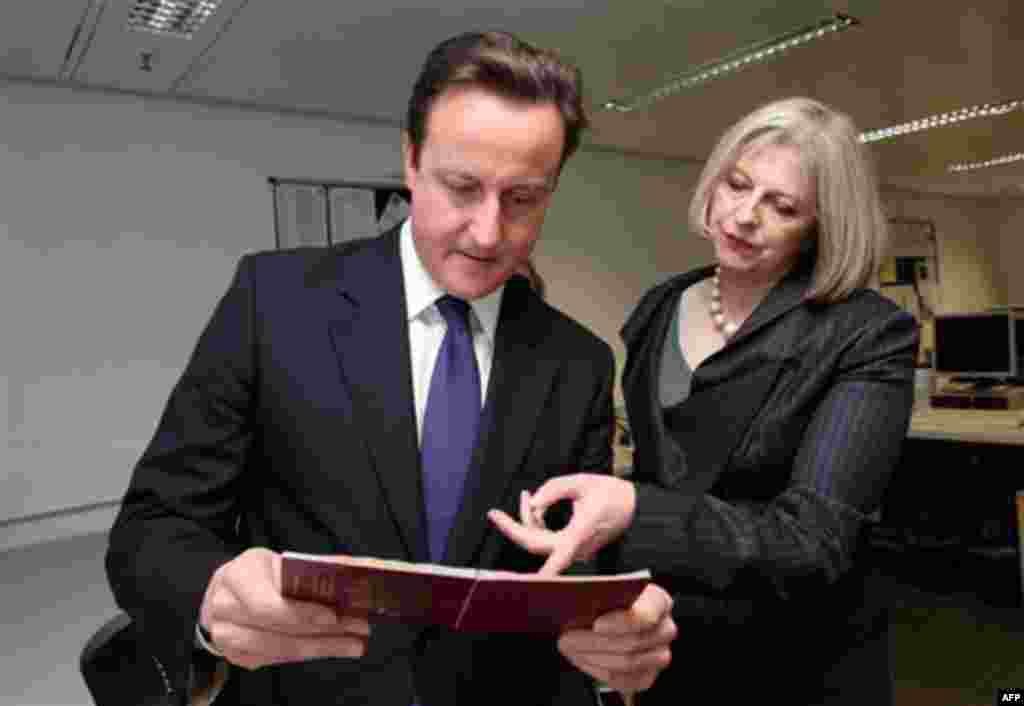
(317, 214)
(301, 214)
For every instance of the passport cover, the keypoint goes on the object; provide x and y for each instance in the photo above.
(464, 599)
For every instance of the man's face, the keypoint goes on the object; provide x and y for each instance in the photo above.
(487, 170)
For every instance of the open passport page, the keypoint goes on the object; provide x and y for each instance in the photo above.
(465, 599)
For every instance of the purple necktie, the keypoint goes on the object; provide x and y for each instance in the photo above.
(449, 424)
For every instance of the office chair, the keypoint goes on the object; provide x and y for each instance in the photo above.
(117, 671)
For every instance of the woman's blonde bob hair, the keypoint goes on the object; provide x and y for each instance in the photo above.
(851, 229)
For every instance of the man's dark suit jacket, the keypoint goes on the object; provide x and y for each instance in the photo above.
(294, 419)
(753, 493)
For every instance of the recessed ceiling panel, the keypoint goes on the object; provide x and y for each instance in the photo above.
(356, 58)
(35, 36)
(122, 56)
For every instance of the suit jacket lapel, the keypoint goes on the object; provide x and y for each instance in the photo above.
(644, 334)
(731, 388)
(787, 294)
(519, 385)
(370, 335)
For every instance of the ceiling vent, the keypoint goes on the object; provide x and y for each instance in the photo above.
(173, 18)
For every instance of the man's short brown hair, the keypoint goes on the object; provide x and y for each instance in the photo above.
(505, 65)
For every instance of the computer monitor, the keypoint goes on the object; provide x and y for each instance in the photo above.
(980, 347)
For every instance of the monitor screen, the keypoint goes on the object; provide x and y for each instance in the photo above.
(975, 345)
(1018, 334)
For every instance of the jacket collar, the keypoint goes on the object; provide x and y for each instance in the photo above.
(690, 458)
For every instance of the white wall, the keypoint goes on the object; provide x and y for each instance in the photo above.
(120, 222)
(617, 226)
(971, 272)
(1010, 222)
(121, 219)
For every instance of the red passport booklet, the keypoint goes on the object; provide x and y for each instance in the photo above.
(476, 600)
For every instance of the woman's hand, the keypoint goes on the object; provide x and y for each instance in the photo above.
(602, 509)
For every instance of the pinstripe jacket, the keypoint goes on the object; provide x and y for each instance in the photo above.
(753, 492)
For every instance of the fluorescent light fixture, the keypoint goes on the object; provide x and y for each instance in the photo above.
(995, 162)
(988, 110)
(178, 18)
(741, 58)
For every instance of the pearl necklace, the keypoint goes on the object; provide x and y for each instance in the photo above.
(725, 327)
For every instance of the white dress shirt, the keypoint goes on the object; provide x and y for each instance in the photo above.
(427, 327)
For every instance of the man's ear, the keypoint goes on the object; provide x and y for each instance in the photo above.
(408, 161)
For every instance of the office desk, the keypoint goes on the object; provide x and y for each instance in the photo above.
(954, 494)
(973, 426)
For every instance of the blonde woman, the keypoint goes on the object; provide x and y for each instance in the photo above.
(768, 395)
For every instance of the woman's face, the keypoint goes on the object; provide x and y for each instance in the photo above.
(761, 211)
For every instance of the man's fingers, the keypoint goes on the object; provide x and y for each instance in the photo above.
(304, 618)
(253, 648)
(635, 643)
(622, 672)
(652, 606)
(290, 617)
(625, 682)
(251, 599)
(628, 683)
(245, 660)
(261, 608)
(626, 662)
(584, 665)
(293, 617)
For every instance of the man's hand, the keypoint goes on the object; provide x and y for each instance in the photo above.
(252, 625)
(626, 649)
(602, 509)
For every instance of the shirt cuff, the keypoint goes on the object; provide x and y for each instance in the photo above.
(205, 684)
(204, 641)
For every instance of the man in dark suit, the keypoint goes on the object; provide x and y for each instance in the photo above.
(314, 416)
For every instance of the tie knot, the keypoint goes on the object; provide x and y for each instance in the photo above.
(454, 310)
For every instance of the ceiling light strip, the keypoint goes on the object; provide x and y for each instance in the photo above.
(988, 110)
(995, 162)
(174, 17)
(741, 58)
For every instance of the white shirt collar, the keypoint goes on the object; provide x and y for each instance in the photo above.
(421, 291)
